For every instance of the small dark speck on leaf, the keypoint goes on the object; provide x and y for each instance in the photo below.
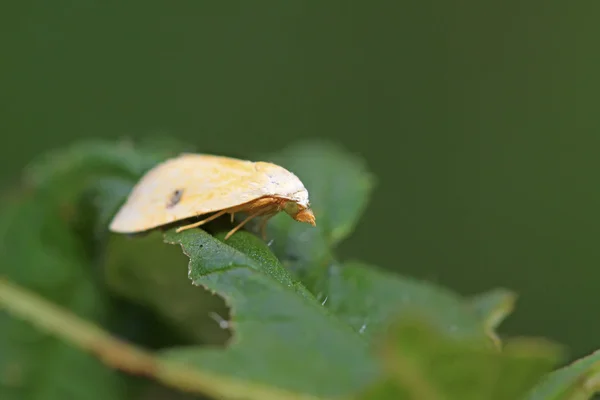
(292, 257)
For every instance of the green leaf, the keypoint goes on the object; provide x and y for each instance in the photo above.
(72, 168)
(102, 201)
(38, 251)
(45, 250)
(339, 187)
(91, 167)
(283, 338)
(148, 272)
(493, 307)
(423, 363)
(279, 327)
(577, 381)
(367, 298)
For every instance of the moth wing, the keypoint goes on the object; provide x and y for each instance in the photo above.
(188, 186)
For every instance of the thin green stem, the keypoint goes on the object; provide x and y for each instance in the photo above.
(118, 354)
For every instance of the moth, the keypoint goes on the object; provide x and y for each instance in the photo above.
(193, 185)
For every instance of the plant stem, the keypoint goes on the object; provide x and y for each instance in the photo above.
(126, 357)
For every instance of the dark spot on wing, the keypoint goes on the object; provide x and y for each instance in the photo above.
(175, 198)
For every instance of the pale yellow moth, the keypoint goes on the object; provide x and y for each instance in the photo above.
(191, 185)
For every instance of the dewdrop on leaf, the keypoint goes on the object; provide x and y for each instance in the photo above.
(192, 185)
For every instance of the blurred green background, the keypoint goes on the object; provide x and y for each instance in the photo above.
(479, 119)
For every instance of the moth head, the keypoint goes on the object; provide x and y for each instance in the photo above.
(300, 213)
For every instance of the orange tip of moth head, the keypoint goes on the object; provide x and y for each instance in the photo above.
(306, 215)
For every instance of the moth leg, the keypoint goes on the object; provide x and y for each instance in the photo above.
(263, 224)
(234, 230)
(253, 215)
(195, 224)
(232, 217)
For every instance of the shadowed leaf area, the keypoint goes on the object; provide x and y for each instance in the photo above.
(285, 318)
(421, 363)
(38, 252)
